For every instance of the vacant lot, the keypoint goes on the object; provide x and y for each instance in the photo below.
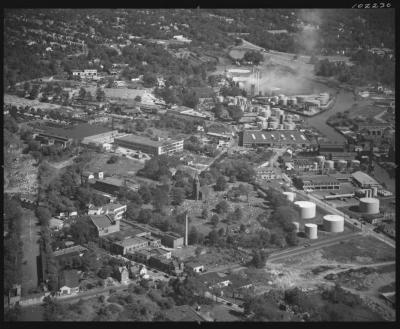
(30, 237)
(251, 209)
(361, 250)
(18, 101)
(123, 167)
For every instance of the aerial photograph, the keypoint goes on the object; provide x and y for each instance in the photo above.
(199, 165)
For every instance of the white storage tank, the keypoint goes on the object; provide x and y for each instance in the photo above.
(355, 163)
(275, 111)
(315, 166)
(289, 126)
(297, 225)
(320, 158)
(301, 99)
(374, 192)
(273, 125)
(369, 206)
(333, 223)
(341, 164)
(290, 195)
(307, 209)
(311, 230)
(284, 101)
(329, 164)
(324, 98)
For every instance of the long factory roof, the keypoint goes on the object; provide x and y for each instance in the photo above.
(273, 136)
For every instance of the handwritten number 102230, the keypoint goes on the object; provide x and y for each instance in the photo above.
(372, 5)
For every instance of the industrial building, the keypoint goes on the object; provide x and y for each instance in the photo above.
(105, 224)
(328, 147)
(373, 129)
(111, 185)
(274, 138)
(144, 255)
(115, 209)
(149, 146)
(170, 266)
(172, 240)
(84, 133)
(317, 182)
(364, 181)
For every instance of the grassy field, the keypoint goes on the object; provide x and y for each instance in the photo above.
(123, 167)
(362, 250)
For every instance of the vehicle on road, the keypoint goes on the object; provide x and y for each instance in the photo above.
(307, 245)
(229, 304)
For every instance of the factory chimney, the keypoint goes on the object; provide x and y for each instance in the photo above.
(186, 230)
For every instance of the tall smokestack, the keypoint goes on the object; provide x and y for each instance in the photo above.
(186, 230)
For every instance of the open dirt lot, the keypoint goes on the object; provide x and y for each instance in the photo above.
(30, 237)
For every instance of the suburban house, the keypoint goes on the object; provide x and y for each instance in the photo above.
(123, 275)
(69, 282)
(194, 267)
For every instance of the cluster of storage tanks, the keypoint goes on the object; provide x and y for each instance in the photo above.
(339, 165)
(307, 210)
(275, 119)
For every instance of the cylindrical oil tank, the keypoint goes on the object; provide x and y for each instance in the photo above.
(290, 195)
(311, 230)
(324, 98)
(273, 125)
(315, 166)
(355, 163)
(341, 164)
(289, 126)
(320, 158)
(329, 164)
(374, 192)
(369, 206)
(281, 96)
(275, 111)
(333, 223)
(280, 126)
(292, 101)
(283, 101)
(301, 99)
(297, 225)
(307, 209)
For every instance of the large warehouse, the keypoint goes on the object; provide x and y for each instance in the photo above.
(274, 138)
(317, 182)
(364, 181)
(85, 133)
(149, 146)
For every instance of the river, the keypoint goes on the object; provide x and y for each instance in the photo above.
(344, 101)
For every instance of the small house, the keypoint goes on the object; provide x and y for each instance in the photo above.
(69, 282)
